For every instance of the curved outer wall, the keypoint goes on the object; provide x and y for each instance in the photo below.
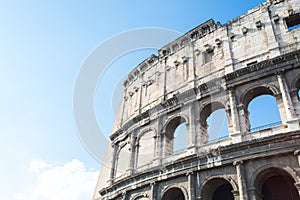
(213, 66)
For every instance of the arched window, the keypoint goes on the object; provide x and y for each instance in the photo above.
(213, 122)
(217, 188)
(123, 160)
(175, 132)
(180, 138)
(261, 108)
(263, 112)
(173, 194)
(217, 125)
(276, 183)
(145, 148)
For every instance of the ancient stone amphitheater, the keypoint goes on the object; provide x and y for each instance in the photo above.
(212, 67)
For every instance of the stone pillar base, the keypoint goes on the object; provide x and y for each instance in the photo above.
(293, 124)
(191, 150)
(236, 138)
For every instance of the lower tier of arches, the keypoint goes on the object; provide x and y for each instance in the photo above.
(264, 170)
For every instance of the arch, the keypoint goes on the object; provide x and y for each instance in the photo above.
(143, 196)
(206, 111)
(169, 130)
(145, 147)
(269, 118)
(256, 91)
(184, 117)
(123, 159)
(174, 192)
(209, 108)
(295, 83)
(226, 177)
(218, 187)
(267, 166)
(144, 131)
(275, 183)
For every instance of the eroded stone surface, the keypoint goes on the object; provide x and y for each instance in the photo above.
(211, 67)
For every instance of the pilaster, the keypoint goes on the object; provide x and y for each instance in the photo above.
(191, 185)
(241, 180)
(113, 163)
(292, 121)
(236, 129)
(154, 191)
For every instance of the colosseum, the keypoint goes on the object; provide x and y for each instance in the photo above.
(212, 67)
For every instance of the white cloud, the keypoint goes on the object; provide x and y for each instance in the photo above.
(37, 166)
(67, 182)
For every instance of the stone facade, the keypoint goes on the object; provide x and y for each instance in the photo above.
(211, 67)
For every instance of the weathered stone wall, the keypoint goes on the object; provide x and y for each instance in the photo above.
(211, 67)
(210, 51)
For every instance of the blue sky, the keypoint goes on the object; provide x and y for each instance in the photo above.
(42, 46)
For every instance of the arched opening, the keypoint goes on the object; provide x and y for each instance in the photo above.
(275, 183)
(123, 160)
(261, 108)
(263, 112)
(180, 138)
(173, 194)
(175, 137)
(217, 124)
(213, 122)
(216, 189)
(145, 148)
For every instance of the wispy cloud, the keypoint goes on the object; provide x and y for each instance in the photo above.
(71, 181)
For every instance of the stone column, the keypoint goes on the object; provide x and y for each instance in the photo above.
(153, 194)
(133, 152)
(124, 102)
(113, 163)
(289, 109)
(236, 130)
(253, 194)
(194, 125)
(243, 118)
(297, 153)
(197, 136)
(295, 101)
(228, 53)
(292, 121)
(187, 76)
(241, 180)
(236, 194)
(234, 112)
(160, 148)
(191, 185)
(124, 196)
(203, 132)
(297, 184)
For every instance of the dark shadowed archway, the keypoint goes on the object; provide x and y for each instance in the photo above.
(217, 189)
(275, 184)
(173, 194)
